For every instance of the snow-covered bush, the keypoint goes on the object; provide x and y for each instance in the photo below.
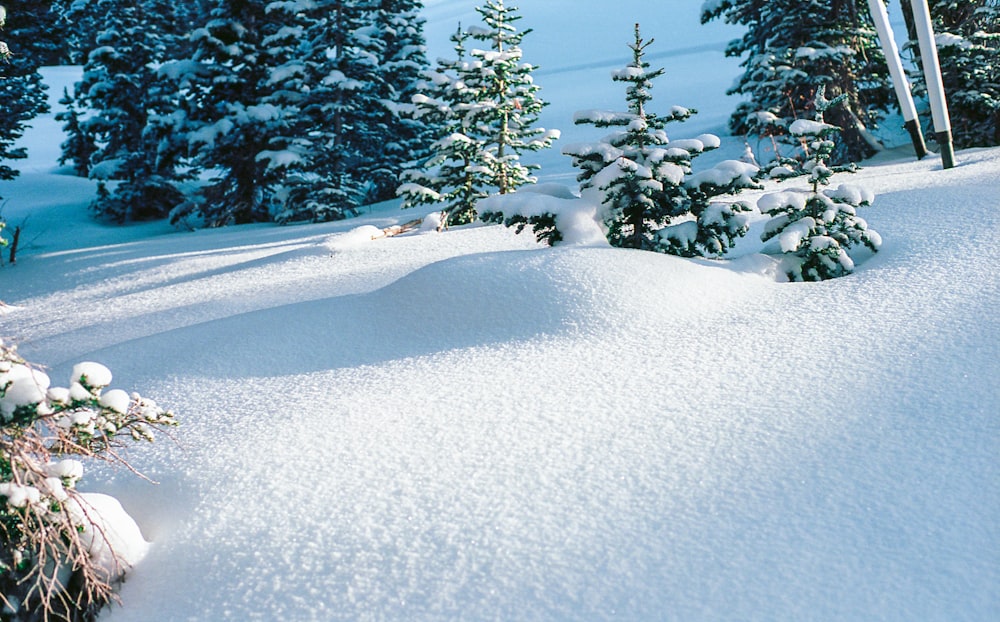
(62, 550)
(816, 229)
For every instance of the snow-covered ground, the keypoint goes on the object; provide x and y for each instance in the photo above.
(466, 425)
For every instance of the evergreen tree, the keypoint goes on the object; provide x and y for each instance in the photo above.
(817, 229)
(84, 27)
(347, 109)
(487, 105)
(790, 46)
(21, 87)
(968, 41)
(43, 31)
(79, 146)
(403, 61)
(640, 177)
(224, 115)
(643, 183)
(506, 115)
(124, 91)
(456, 174)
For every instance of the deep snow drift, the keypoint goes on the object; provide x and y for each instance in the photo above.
(467, 425)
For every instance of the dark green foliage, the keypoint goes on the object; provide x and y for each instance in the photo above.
(226, 123)
(484, 105)
(403, 60)
(21, 89)
(968, 41)
(639, 176)
(817, 229)
(456, 174)
(651, 199)
(544, 226)
(792, 45)
(121, 138)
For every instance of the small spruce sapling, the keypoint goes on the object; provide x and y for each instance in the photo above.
(643, 182)
(815, 229)
(508, 113)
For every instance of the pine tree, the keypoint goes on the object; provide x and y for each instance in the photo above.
(487, 105)
(456, 174)
(43, 31)
(506, 115)
(639, 179)
(349, 111)
(124, 91)
(21, 88)
(224, 114)
(817, 229)
(79, 146)
(790, 46)
(640, 176)
(968, 42)
(403, 61)
(342, 119)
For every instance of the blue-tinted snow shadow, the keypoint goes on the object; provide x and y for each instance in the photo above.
(456, 303)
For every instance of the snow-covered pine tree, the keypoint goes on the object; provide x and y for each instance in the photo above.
(816, 229)
(341, 118)
(21, 87)
(506, 115)
(226, 118)
(457, 174)
(968, 41)
(122, 88)
(79, 147)
(640, 177)
(399, 27)
(790, 45)
(486, 106)
(41, 31)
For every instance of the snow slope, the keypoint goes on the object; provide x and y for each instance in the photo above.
(470, 426)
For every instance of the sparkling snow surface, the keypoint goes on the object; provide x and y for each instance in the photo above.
(471, 426)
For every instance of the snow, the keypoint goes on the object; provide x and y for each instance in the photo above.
(112, 538)
(604, 117)
(93, 375)
(576, 217)
(468, 425)
(772, 201)
(630, 72)
(851, 194)
(947, 39)
(724, 173)
(279, 159)
(22, 386)
(807, 127)
(793, 235)
(691, 145)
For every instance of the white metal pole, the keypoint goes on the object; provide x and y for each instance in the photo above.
(899, 81)
(935, 86)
